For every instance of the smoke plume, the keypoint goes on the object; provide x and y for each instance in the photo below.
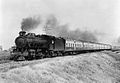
(30, 23)
(53, 27)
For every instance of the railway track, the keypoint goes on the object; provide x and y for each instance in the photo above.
(5, 66)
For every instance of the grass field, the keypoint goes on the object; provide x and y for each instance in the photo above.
(98, 67)
(4, 55)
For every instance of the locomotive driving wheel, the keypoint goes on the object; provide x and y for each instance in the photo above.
(21, 58)
(54, 54)
(41, 55)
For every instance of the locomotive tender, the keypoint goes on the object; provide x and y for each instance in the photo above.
(31, 46)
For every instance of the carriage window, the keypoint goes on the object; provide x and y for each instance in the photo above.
(76, 45)
(67, 44)
(70, 45)
(79, 44)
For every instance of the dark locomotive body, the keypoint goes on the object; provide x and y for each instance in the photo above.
(30, 46)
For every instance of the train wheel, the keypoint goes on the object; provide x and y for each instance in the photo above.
(60, 54)
(51, 54)
(30, 58)
(48, 55)
(54, 54)
(63, 54)
(42, 56)
(21, 58)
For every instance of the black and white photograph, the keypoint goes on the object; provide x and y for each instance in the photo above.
(59, 41)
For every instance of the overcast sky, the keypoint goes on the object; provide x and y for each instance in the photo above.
(99, 16)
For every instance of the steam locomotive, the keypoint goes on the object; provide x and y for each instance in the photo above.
(31, 46)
